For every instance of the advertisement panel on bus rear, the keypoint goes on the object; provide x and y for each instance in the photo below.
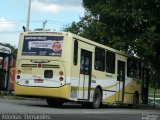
(42, 46)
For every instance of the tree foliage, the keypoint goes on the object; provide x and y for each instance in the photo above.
(129, 25)
(13, 49)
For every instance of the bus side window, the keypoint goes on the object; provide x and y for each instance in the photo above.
(86, 66)
(110, 62)
(99, 59)
(137, 69)
(82, 65)
(130, 68)
(133, 68)
(75, 53)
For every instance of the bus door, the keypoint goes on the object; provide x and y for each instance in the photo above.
(4, 72)
(85, 74)
(120, 81)
(145, 81)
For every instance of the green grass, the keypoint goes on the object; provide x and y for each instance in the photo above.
(157, 94)
(151, 92)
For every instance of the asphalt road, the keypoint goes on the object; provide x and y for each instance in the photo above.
(36, 110)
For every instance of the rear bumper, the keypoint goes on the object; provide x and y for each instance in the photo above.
(42, 92)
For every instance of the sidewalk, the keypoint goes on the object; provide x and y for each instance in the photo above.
(6, 95)
(11, 96)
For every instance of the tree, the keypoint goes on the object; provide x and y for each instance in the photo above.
(13, 49)
(129, 25)
(74, 28)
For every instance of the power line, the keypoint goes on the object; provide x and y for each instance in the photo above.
(10, 32)
(51, 24)
(32, 21)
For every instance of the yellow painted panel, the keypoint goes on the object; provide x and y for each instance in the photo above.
(128, 98)
(119, 95)
(132, 87)
(81, 88)
(86, 88)
(109, 87)
(62, 92)
(110, 99)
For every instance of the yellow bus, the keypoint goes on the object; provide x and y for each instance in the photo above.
(61, 67)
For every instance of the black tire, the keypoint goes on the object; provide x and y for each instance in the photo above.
(97, 99)
(135, 100)
(54, 102)
(87, 105)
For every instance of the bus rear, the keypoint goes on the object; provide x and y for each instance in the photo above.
(40, 67)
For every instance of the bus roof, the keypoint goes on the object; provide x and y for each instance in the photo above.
(98, 44)
(4, 49)
(80, 39)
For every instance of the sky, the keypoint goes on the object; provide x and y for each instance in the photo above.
(57, 13)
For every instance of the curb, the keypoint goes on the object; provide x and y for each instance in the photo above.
(12, 97)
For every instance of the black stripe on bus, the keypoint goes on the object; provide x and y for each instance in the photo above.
(110, 90)
(29, 65)
(50, 66)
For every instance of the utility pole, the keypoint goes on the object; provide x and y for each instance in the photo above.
(28, 15)
(44, 23)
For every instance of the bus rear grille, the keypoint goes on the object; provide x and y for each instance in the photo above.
(29, 65)
(50, 66)
(43, 65)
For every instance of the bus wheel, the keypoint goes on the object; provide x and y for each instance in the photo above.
(135, 100)
(86, 104)
(97, 99)
(54, 102)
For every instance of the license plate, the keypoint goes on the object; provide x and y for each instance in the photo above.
(38, 81)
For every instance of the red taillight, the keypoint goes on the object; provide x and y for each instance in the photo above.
(18, 76)
(39, 65)
(61, 78)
